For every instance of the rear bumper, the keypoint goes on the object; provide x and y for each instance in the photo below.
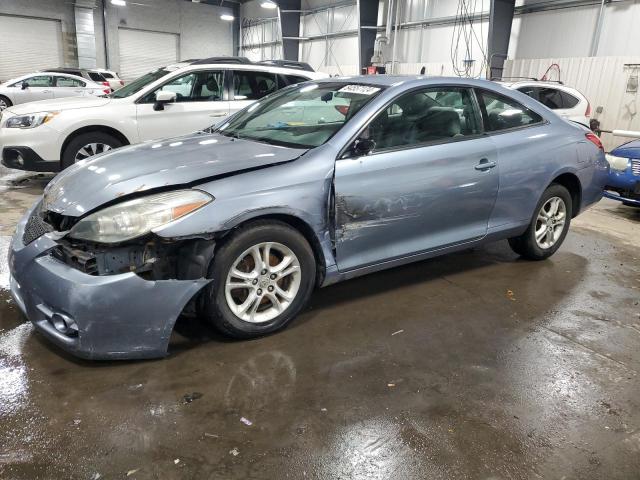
(24, 158)
(117, 316)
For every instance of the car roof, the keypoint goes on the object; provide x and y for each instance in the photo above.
(394, 80)
(64, 74)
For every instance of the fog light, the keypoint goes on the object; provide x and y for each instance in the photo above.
(64, 324)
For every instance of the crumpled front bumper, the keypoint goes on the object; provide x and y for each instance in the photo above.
(118, 316)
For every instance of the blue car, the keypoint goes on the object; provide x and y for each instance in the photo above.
(623, 183)
(317, 183)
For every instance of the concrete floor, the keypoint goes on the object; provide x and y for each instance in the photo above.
(476, 365)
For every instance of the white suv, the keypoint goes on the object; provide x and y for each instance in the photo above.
(563, 100)
(49, 136)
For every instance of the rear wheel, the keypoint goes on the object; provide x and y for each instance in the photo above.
(262, 276)
(87, 145)
(549, 226)
(4, 103)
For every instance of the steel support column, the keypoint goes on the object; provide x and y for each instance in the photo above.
(367, 31)
(289, 12)
(500, 20)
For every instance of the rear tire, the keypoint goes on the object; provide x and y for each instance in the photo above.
(4, 102)
(86, 145)
(548, 227)
(279, 294)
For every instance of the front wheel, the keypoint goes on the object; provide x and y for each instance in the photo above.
(262, 276)
(549, 225)
(87, 145)
(4, 103)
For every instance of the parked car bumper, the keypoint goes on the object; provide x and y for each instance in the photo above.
(40, 152)
(623, 186)
(97, 317)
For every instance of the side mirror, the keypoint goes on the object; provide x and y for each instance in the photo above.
(24, 85)
(363, 146)
(162, 98)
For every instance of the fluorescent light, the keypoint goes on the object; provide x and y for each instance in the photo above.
(269, 5)
(227, 18)
(120, 3)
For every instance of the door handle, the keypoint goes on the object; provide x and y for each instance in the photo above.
(218, 115)
(46, 91)
(485, 164)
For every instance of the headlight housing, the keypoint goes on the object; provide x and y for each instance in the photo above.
(30, 121)
(134, 218)
(617, 163)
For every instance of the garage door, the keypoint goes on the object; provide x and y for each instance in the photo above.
(142, 51)
(29, 45)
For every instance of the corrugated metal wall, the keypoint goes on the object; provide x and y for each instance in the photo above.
(603, 80)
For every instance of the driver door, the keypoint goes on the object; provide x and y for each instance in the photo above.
(430, 181)
(201, 101)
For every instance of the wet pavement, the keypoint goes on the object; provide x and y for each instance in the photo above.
(476, 365)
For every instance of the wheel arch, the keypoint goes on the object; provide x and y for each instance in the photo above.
(94, 128)
(571, 182)
(297, 223)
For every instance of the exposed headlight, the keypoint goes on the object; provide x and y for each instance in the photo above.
(134, 218)
(617, 163)
(30, 121)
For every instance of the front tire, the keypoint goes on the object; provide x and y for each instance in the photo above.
(4, 103)
(87, 145)
(548, 227)
(263, 275)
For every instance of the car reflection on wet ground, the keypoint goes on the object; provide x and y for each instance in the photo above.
(472, 365)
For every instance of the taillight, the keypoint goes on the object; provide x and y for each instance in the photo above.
(343, 109)
(593, 138)
(122, 82)
(587, 113)
(107, 91)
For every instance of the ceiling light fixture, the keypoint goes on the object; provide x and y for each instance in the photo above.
(270, 5)
(227, 18)
(120, 3)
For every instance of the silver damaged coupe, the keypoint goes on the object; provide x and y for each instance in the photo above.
(314, 184)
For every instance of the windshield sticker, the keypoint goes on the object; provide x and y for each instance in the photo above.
(360, 89)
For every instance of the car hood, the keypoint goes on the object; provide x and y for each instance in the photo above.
(67, 103)
(180, 161)
(629, 150)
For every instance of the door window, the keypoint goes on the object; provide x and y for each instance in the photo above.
(429, 115)
(69, 82)
(530, 91)
(39, 81)
(204, 86)
(501, 113)
(249, 85)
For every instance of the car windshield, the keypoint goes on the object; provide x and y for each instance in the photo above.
(139, 83)
(302, 116)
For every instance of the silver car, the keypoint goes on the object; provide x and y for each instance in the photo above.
(314, 184)
(46, 86)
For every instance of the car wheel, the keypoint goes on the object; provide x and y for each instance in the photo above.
(4, 103)
(88, 145)
(549, 225)
(263, 276)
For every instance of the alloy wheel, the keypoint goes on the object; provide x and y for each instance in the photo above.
(550, 222)
(263, 282)
(90, 150)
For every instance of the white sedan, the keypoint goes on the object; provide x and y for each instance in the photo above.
(46, 86)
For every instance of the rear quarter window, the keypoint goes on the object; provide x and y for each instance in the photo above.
(96, 77)
(568, 100)
(502, 113)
